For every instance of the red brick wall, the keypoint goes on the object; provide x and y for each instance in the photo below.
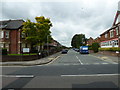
(14, 41)
(108, 37)
(90, 41)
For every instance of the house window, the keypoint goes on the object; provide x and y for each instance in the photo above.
(1, 45)
(23, 45)
(117, 31)
(23, 35)
(116, 42)
(106, 35)
(1, 34)
(111, 33)
(7, 46)
(7, 34)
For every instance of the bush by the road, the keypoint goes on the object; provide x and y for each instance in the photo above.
(4, 51)
(110, 49)
(95, 47)
(90, 47)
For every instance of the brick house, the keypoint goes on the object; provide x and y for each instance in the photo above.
(97, 40)
(90, 41)
(11, 36)
(110, 38)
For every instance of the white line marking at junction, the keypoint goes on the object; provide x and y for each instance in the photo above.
(79, 60)
(18, 76)
(90, 75)
(66, 64)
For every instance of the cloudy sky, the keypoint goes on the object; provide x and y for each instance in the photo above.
(69, 17)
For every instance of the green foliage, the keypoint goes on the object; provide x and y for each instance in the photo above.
(22, 54)
(78, 40)
(4, 51)
(110, 49)
(37, 33)
(90, 47)
(95, 47)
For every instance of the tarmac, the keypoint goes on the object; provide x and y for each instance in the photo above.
(53, 57)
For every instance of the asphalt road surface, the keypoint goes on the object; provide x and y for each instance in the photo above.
(71, 70)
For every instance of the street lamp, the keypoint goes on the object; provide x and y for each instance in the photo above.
(47, 45)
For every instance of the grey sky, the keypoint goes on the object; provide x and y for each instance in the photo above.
(90, 17)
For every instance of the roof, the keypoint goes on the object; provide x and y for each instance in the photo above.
(113, 27)
(11, 24)
(104, 33)
(116, 17)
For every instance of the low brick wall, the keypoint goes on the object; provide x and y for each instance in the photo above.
(91, 51)
(19, 58)
(111, 53)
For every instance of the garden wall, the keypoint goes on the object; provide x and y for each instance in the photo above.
(111, 53)
(19, 58)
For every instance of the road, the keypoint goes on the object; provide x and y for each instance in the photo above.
(71, 70)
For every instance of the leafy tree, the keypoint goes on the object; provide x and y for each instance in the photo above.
(95, 47)
(37, 33)
(78, 40)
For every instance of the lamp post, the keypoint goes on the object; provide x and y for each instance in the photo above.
(47, 45)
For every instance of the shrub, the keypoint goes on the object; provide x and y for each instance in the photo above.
(110, 49)
(4, 51)
(90, 47)
(95, 47)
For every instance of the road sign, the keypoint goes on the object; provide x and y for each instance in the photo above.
(26, 50)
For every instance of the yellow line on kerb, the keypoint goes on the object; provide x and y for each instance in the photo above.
(53, 60)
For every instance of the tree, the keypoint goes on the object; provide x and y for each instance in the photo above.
(95, 47)
(78, 40)
(38, 32)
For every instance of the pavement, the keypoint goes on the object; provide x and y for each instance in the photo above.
(41, 61)
(107, 57)
(53, 57)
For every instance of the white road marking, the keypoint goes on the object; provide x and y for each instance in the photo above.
(79, 60)
(90, 75)
(76, 64)
(18, 76)
(105, 63)
(66, 64)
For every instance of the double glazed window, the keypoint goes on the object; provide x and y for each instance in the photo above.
(106, 35)
(117, 32)
(6, 34)
(111, 33)
(1, 34)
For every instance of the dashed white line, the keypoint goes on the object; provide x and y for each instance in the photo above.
(79, 60)
(18, 76)
(90, 75)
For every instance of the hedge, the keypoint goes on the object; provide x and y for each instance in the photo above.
(110, 49)
(4, 51)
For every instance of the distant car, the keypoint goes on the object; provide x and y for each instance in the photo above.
(76, 49)
(64, 51)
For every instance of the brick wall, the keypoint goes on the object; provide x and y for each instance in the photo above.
(19, 58)
(14, 41)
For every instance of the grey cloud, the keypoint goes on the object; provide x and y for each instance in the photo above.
(68, 18)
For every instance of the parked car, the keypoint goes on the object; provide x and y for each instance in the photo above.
(84, 50)
(76, 49)
(64, 51)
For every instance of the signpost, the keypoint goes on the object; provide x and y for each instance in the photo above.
(26, 50)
